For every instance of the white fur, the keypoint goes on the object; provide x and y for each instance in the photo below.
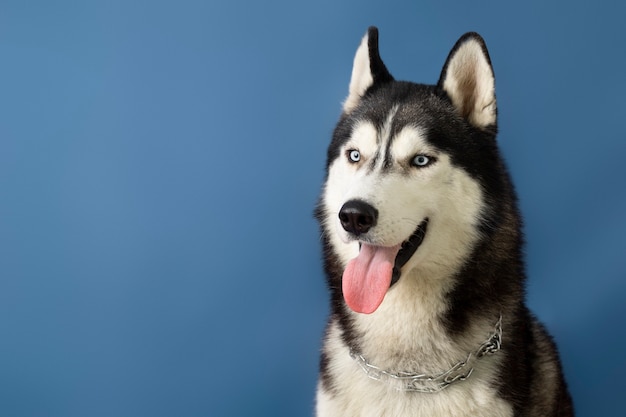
(356, 395)
(361, 78)
(469, 74)
(407, 320)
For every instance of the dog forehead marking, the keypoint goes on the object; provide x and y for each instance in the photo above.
(372, 141)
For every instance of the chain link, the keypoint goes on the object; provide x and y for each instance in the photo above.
(434, 383)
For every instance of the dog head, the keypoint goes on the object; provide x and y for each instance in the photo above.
(408, 171)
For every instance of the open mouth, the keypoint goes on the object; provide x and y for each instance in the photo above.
(368, 277)
(408, 248)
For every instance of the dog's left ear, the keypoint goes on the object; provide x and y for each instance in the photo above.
(368, 69)
(467, 78)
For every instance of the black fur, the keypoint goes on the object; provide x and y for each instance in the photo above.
(377, 67)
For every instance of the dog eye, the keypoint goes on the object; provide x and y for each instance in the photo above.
(354, 155)
(422, 160)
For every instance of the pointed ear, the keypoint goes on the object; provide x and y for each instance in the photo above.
(467, 78)
(368, 69)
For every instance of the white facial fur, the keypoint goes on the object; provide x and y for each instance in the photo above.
(404, 196)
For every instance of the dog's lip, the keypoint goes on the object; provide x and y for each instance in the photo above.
(408, 248)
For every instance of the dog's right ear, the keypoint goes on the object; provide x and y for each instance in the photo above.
(368, 69)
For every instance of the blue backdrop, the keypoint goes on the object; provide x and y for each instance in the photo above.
(160, 161)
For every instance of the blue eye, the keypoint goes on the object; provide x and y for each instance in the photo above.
(422, 160)
(354, 155)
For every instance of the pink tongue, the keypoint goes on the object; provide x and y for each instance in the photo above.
(368, 276)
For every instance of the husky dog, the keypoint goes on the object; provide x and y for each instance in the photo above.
(423, 254)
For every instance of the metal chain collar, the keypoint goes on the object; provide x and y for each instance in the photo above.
(434, 383)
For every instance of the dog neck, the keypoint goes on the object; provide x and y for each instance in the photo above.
(421, 382)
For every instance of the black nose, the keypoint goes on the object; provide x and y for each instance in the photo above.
(357, 216)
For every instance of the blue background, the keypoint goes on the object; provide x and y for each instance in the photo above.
(160, 161)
